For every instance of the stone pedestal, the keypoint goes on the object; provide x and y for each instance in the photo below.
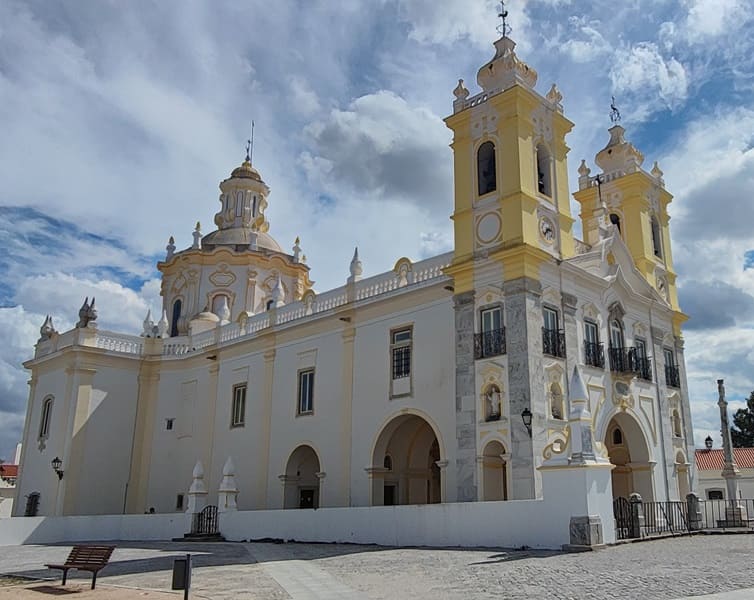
(197, 494)
(694, 512)
(228, 492)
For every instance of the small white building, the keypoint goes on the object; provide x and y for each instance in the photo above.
(442, 380)
(711, 484)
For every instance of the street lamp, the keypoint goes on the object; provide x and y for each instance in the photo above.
(56, 464)
(526, 418)
(708, 443)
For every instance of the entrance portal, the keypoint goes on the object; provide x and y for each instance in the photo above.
(628, 451)
(494, 472)
(405, 458)
(301, 479)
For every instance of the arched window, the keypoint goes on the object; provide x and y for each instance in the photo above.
(615, 220)
(388, 462)
(44, 420)
(656, 240)
(485, 161)
(176, 315)
(32, 505)
(544, 174)
(617, 437)
(616, 334)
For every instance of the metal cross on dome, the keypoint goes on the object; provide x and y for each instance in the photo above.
(614, 112)
(503, 29)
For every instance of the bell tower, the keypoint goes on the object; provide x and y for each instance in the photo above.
(636, 203)
(511, 178)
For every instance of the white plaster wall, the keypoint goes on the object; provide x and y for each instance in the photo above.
(433, 397)
(50, 530)
(108, 435)
(713, 480)
(36, 474)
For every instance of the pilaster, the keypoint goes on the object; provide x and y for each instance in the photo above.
(348, 335)
(141, 454)
(525, 375)
(466, 419)
(264, 462)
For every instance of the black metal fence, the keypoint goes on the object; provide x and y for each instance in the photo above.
(635, 518)
(553, 342)
(594, 355)
(630, 360)
(489, 343)
(205, 522)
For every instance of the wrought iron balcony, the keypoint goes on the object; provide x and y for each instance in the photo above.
(594, 355)
(672, 376)
(553, 342)
(629, 360)
(489, 343)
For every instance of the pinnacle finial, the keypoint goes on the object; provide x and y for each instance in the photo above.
(250, 145)
(614, 112)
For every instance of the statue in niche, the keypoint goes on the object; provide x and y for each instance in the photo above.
(492, 400)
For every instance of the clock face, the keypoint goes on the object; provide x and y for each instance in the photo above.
(546, 229)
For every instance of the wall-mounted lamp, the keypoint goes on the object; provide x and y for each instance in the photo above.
(56, 466)
(708, 443)
(526, 418)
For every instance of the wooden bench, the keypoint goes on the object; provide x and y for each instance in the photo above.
(86, 558)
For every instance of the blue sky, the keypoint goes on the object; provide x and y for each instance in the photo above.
(118, 120)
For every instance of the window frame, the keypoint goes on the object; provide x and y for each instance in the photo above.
(552, 311)
(45, 417)
(654, 224)
(305, 374)
(238, 406)
(493, 160)
(396, 345)
(489, 311)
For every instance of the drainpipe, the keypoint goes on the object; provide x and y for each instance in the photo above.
(660, 414)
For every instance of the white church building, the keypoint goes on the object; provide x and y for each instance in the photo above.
(440, 381)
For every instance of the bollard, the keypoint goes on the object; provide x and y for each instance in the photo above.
(182, 575)
(637, 514)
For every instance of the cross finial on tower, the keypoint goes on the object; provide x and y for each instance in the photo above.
(250, 144)
(614, 112)
(503, 28)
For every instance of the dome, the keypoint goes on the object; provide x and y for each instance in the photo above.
(245, 171)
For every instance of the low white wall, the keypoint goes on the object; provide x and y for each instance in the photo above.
(533, 523)
(49, 530)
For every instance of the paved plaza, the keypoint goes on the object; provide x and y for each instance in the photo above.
(661, 569)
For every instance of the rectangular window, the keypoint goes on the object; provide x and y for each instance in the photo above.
(179, 502)
(641, 348)
(306, 392)
(491, 320)
(169, 424)
(594, 354)
(551, 319)
(591, 333)
(669, 357)
(238, 413)
(672, 374)
(400, 349)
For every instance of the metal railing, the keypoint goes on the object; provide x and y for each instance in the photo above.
(727, 514)
(594, 355)
(630, 360)
(205, 522)
(553, 342)
(672, 376)
(489, 343)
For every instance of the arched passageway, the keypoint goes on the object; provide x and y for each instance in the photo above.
(301, 479)
(494, 472)
(405, 459)
(628, 451)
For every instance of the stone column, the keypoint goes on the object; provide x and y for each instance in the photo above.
(466, 485)
(523, 332)
(730, 473)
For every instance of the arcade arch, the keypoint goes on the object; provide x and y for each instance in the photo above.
(494, 472)
(628, 451)
(413, 475)
(301, 479)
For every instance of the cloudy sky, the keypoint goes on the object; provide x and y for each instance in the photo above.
(118, 120)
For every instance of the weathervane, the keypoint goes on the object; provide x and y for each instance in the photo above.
(614, 112)
(503, 29)
(250, 144)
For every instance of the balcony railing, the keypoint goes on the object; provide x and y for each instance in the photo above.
(553, 342)
(489, 343)
(594, 355)
(672, 376)
(629, 360)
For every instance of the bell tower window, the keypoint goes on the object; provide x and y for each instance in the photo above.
(486, 176)
(656, 244)
(174, 320)
(544, 176)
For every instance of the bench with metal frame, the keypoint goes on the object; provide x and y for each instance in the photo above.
(86, 558)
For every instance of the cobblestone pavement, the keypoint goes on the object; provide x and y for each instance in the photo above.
(658, 570)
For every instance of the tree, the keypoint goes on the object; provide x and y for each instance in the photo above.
(742, 431)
